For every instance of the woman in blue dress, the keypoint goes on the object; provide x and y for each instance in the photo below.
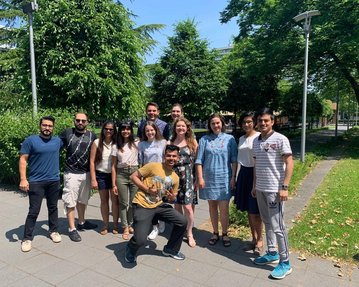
(216, 166)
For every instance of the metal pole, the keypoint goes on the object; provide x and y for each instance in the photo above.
(304, 107)
(33, 72)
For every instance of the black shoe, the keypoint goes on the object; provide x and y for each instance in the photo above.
(74, 236)
(129, 256)
(87, 225)
(178, 255)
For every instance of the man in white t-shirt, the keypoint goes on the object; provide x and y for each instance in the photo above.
(273, 171)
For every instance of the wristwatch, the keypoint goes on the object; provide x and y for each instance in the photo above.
(284, 187)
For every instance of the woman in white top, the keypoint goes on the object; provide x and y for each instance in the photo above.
(151, 149)
(243, 197)
(100, 170)
(124, 163)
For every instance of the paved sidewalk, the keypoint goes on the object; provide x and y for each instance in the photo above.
(98, 260)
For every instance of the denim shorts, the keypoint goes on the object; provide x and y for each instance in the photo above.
(104, 180)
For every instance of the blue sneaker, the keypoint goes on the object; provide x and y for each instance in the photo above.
(178, 255)
(267, 258)
(129, 256)
(281, 270)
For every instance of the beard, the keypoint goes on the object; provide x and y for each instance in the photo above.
(45, 133)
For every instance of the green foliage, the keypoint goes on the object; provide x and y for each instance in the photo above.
(88, 56)
(14, 128)
(188, 73)
(277, 42)
(329, 226)
(237, 217)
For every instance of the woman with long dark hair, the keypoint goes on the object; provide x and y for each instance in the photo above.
(243, 197)
(124, 163)
(100, 170)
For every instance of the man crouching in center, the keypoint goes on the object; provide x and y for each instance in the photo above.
(159, 185)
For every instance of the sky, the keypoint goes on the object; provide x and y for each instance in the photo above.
(169, 12)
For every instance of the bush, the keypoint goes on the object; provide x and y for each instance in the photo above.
(15, 127)
(237, 217)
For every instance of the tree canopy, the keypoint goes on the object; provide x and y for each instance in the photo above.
(189, 73)
(334, 39)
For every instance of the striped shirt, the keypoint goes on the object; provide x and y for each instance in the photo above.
(269, 165)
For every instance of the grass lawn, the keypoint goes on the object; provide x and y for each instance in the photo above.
(329, 225)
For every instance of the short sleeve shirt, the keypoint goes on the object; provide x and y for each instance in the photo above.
(44, 157)
(157, 174)
(269, 165)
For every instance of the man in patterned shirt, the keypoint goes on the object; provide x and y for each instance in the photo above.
(273, 171)
(159, 185)
(76, 193)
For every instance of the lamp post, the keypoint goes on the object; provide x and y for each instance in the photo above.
(29, 8)
(306, 16)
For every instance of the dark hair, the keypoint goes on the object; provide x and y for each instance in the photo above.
(172, 147)
(87, 117)
(212, 116)
(189, 133)
(99, 150)
(47, 118)
(152, 104)
(152, 124)
(178, 105)
(246, 115)
(120, 140)
(265, 111)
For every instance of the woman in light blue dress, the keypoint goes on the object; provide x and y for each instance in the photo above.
(216, 166)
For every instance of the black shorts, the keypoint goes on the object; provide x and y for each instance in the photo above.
(104, 180)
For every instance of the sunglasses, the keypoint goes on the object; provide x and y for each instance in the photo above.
(80, 121)
(109, 130)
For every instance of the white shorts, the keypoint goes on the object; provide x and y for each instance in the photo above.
(76, 189)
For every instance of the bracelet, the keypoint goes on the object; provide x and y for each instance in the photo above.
(284, 187)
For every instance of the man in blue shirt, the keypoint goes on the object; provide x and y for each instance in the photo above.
(152, 111)
(42, 153)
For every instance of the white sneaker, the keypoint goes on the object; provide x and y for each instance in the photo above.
(154, 233)
(26, 246)
(55, 237)
(161, 226)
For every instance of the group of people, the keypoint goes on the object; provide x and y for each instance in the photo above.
(157, 178)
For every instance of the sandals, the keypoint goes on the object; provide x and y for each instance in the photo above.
(214, 239)
(258, 250)
(104, 230)
(225, 239)
(115, 230)
(191, 242)
(126, 233)
(132, 231)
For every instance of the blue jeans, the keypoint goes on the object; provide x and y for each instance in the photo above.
(37, 191)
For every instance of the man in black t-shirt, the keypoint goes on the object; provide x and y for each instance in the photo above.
(76, 193)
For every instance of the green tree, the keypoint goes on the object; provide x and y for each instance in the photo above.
(88, 56)
(334, 36)
(10, 12)
(189, 73)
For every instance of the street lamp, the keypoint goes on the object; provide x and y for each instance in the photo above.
(29, 8)
(307, 16)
